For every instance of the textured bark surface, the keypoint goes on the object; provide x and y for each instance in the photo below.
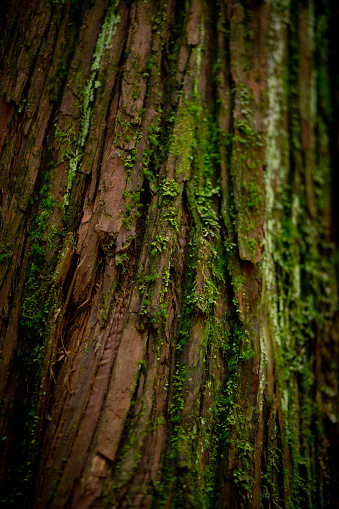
(168, 261)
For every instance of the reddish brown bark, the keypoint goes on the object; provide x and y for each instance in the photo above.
(169, 326)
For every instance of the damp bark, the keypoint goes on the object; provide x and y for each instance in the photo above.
(168, 258)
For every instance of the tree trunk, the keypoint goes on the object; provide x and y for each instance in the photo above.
(169, 261)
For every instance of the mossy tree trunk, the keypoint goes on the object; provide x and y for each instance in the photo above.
(169, 276)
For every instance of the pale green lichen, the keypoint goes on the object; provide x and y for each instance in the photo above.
(199, 55)
(313, 86)
(291, 246)
(103, 43)
(274, 166)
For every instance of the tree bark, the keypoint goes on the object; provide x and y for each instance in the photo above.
(169, 254)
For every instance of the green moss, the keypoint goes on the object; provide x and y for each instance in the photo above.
(169, 189)
(152, 156)
(159, 245)
(252, 194)
(183, 140)
(132, 208)
(65, 139)
(6, 253)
